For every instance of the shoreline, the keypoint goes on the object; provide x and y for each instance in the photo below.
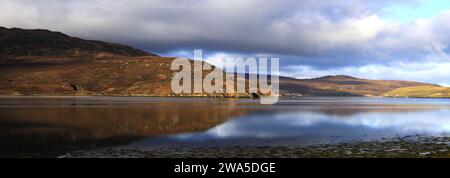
(201, 96)
(416, 146)
(127, 95)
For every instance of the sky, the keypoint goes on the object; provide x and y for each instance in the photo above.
(374, 39)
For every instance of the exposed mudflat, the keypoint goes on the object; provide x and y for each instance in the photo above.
(404, 147)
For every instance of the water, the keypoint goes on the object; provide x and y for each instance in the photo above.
(49, 126)
(306, 121)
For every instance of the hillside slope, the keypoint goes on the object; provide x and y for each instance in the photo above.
(20, 46)
(123, 76)
(41, 62)
(420, 92)
(20, 42)
(342, 85)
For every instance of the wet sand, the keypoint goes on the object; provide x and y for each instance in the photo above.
(416, 146)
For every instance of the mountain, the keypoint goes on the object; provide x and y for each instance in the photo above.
(42, 62)
(35, 62)
(19, 46)
(20, 42)
(420, 92)
(341, 85)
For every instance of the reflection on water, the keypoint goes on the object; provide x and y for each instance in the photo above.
(49, 126)
(303, 122)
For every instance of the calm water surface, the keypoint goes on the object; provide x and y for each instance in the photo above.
(48, 126)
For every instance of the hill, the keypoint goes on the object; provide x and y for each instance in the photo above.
(341, 85)
(420, 92)
(20, 46)
(41, 62)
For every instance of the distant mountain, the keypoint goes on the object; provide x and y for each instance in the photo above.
(420, 92)
(35, 62)
(341, 85)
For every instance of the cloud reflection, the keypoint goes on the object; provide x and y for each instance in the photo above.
(305, 123)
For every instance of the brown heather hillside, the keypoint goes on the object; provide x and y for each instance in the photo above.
(16, 42)
(41, 62)
(124, 76)
(109, 76)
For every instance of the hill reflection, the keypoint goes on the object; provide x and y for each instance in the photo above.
(50, 126)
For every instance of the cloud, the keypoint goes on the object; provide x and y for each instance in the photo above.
(319, 34)
(287, 26)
